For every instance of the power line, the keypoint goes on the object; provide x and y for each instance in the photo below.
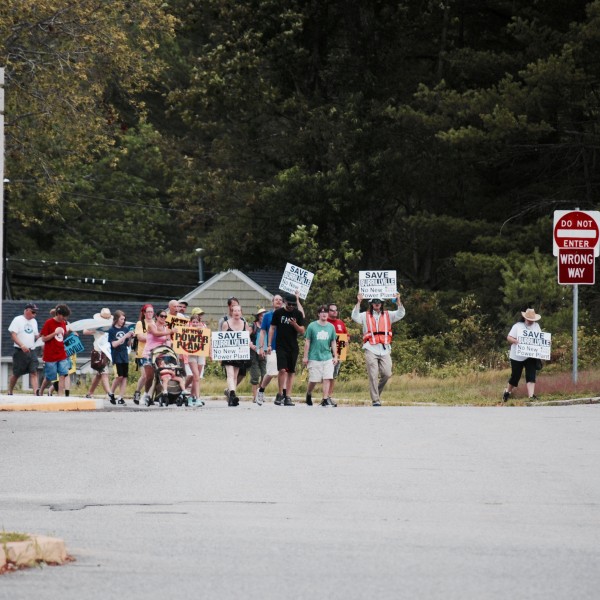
(92, 280)
(98, 292)
(108, 266)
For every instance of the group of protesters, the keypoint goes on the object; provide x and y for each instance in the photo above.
(274, 349)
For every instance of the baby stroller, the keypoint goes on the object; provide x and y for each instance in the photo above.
(162, 357)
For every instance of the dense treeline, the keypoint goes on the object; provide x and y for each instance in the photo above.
(436, 138)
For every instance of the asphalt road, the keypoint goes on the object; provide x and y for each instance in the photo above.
(297, 502)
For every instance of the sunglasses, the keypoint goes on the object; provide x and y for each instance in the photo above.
(162, 316)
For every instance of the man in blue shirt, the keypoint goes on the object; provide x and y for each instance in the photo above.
(262, 347)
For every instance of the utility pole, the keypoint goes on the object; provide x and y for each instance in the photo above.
(1, 197)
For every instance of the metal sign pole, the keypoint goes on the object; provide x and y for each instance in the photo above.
(575, 320)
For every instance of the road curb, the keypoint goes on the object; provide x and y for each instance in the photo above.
(49, 403)
(39, 548)
(594, 400)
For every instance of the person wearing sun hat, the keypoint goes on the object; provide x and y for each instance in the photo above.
(377, 338)
(104, 318)
(529, 322)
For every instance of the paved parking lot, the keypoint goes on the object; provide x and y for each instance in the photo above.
(276, 502)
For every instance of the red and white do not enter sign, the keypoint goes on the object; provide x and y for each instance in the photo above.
(576, 230)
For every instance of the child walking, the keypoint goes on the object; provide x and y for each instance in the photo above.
(119, 338)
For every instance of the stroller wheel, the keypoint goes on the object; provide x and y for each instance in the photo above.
(180, 400)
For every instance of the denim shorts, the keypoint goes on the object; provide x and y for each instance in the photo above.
(53, 369)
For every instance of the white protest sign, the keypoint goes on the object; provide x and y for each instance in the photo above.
(534, 344)
(377, 284)
(230, 345)
(294, 278)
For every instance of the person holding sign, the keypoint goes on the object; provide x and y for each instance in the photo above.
(340, 329)
(196, 363)
(377, 338)
(56, 362)
(232, 367)
(288, 322)
(157, 333)
(517, 363)
(320, 356)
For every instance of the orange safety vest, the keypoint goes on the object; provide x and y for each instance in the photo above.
(378, 337)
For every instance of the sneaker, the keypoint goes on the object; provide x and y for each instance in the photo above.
(287, 401)
(278, 399)
(88, 395)
(534, 397)
(309, 399)
(112, 398)
(136, 397)
(377, 403)
(260, 398)
(121, 402)
(330, 402)
(146, 399)
(505, 396)
(37, 392)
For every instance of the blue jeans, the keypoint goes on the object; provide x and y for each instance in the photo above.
(53, 369)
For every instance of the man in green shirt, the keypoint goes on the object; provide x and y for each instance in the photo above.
(320, 355)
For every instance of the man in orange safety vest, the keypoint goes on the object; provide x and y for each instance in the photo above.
(377, 338)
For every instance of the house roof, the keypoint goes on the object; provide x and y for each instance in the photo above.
(269, 280)
(79, 310)
(213, 294)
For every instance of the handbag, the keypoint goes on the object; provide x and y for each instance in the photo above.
(98, 360)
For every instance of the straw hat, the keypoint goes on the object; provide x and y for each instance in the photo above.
(197, 311)
(531, 315)
(260, 311)
(103, 315)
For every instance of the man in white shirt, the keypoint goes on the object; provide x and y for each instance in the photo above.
(24, 333)
(377, 337)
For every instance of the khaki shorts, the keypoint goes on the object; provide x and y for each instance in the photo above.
(318, 370)
(272, 364)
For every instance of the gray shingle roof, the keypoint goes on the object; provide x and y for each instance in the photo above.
(80, 309)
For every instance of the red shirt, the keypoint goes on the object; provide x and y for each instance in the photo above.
(54, 349)
(339, 325)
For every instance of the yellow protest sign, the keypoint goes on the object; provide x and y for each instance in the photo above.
(175, 321)
(342, 346)
(194, 341)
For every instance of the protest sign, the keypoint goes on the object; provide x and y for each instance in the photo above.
(194, 341)
(534, 344)
(230, 345)
(175, 321)
(73, 344)
(342, 346)
(294, 278)
(377, 284)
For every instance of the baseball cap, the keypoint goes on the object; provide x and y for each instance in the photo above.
(31, 306)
